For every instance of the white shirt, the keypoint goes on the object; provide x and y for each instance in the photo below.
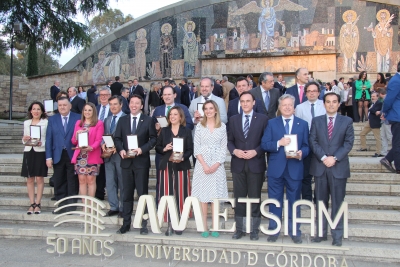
(303, 111)
(290, 127)
(105, 112)
(244, 118)
(62, 118)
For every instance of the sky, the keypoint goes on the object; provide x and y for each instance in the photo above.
(136, 8)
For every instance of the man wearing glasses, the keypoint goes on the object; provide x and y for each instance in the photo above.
(307, 110)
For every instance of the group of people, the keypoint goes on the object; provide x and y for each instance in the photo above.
(260, 120)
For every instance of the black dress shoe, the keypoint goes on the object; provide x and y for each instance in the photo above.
(254, 235)
(238, 234)
(124, 229)
(53, 198)
(297, 239)
(387, 165)
(376, 155)
(362, 149)
(144, 231)
(337, 243)
(272, 238)
(318, 239)
(111, 213)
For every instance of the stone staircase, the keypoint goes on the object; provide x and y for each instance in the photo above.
(373, 195)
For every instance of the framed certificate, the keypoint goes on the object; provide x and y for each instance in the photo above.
(162, 120)
(132, 144)
(35, 133)
(83, 139)
(292, 148)
(200, 108)
(109, 142)
(177, 153)
(48, 106)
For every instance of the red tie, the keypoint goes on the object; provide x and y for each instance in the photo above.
(301, 93)
(330, 127)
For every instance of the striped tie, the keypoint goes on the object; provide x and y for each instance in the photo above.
(246, 126)
(330, 127)
(103, 113)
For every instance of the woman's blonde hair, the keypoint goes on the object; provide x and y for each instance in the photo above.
(217, 116)
(93, 119)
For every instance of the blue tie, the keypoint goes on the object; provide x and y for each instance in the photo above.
(287, 126)
(246, 126)
(112, 125)
(133, 130)
(266, 101)
(103, 112)
(65, 124)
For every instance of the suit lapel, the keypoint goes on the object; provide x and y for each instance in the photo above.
(253, 122)
(336, 125)
(139, 123)
(70, 124)
(324, 126)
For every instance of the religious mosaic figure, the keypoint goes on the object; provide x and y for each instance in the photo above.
(267, 19)
(140, 56)
(166, 47)
(349, 40)
(382, 34)
(190, 48)
(98, 68)
(115, 65)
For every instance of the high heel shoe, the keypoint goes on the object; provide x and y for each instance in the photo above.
(33, 206)
(39, 207)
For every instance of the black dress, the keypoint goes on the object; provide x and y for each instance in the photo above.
(34, 164)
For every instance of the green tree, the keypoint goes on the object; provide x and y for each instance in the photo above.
(32, 66)
(50, 23)
(102, 24)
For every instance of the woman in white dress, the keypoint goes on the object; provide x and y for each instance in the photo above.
(209, 178)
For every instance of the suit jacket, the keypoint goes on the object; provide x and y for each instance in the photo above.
(236, 140)
(233, 107)
(294, 92)
(107, 125)
(138, 90)
(98, 107)
(274, 95)
(339, 146)
(125, 106)
(95, 138)
(91, 95)
(154, 99)
(277, 158)
(373, 119)
(165, 138)
(217, 91)
(233, 94)
(391, 106)
(281, 88)
(220, 102)
(116, 88)
(160, 111)
(185, 95)
(147, 138)
(77, 105)
(57, 139)
(54, 90)
(178, 95)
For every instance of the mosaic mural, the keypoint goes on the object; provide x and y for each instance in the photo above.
(364, 34)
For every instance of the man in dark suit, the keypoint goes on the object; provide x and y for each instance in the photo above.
(185, 93)
(391, 112)
(77, 103)
(331, 139)
(373, 124)
(135, 171)
(169, 96)
(112, 164)
(267, 93)
(217, 91)
(178, 91)
(233, 94)
(135, 88)
(248, 162)
(282, 171)
(54, 90)
(234, 107)
(280, 84)
(59, 154)
(251, 81)
(125, 97)
(116, 87)
(297, 90)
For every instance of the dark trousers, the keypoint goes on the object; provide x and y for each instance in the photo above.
(157, 161)
(101, 183)
(326, 185)
(247, 184)
(306, 189)
(346, 110)
(394, 153)
(293, 190)
(133, 179)
(65, 180)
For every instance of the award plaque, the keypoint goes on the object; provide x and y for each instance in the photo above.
(200, 109)
(132, 145)
(292, 148)
(162, 120)
(35, 133)
(48, 106)
(83, 141)
(177, 152)
(108, 140)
